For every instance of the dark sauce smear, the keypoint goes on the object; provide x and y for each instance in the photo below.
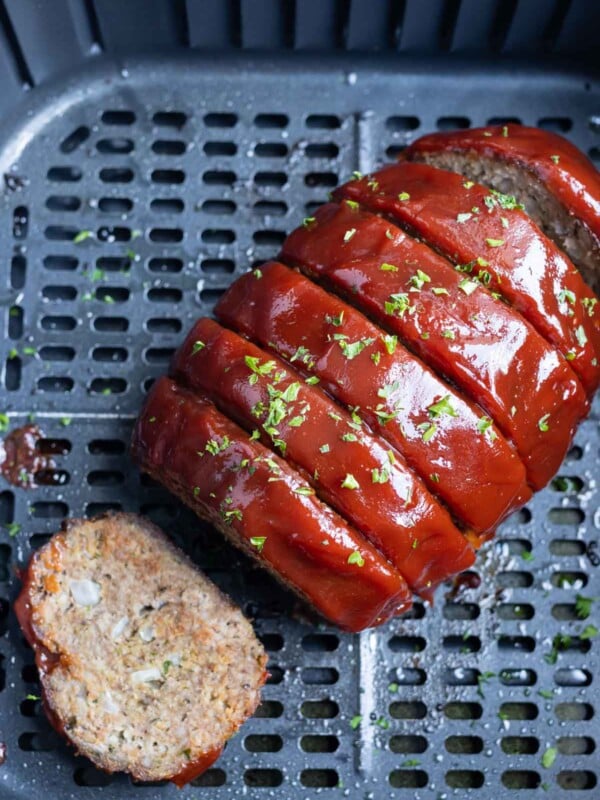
(461, 583)
(23, 463)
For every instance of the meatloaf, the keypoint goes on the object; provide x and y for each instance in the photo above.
(479, 230)
(264, 507)
(558, 186)
(352, 469)
(145, 667)
(400, 398)
(412, 366)
(448, 318)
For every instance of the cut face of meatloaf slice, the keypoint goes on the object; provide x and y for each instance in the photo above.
(472, 226)
(264, 507)
(357, 473)
(447, 317)
(557, 184)
(144, 665)
(449, 442)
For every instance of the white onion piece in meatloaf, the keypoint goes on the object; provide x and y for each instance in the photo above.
(145, 666)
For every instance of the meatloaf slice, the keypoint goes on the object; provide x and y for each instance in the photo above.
(356, 472)
(448, 318)
(264, 507)
(144, 665)
(447, 440)
(472, 226)
(557, 184)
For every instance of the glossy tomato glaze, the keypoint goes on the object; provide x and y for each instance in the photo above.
(357, 473)
(248, 491)
(558, 164)
(487, 349)
(46, 661)
(523, 265)
(479, 477)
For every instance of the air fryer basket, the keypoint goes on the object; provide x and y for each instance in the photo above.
(136, 188)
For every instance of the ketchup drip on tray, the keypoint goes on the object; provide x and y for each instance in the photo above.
(22, 462)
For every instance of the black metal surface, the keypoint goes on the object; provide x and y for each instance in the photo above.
(183, 173)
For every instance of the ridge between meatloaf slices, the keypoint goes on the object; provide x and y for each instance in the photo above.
(450, 321)
(557, 184)
(447, 440)
(262, 506)
(351, 469)
(473, 227)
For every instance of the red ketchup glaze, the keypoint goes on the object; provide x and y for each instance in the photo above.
(551, 158)
(480, 483)
(233, 485)
(21, 463)
(524, 266)
(195, 767)
(390, 506)
(46, 660)
(476, 341)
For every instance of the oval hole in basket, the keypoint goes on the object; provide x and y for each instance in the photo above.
(414, 709)
(170, 264)
(517, 676)
(115, 146)
(118, 117)
(410, 644)
(170, 119)
(569, 712)
(63, 202)
(400, 124)
(115, 205)
(167, 205)
(263, 743)
(464, 778)
(463, 745)
(214, 236)
(521, 779)
(320, 642)
(520, 745)
(220, 120)
(461, 710)
(263, 777)
(577, 780)
(408, 778)
(271, 120)
(320, 676)
(319, 709)
(169, 147)
(213, 149)
(319, 744)
(105, 477)
(75, 139)
(319, 778)
(215, 177)
(408, 743)
(326, 150)
(106, 447)
(576, 745)
(323, 121)
(573, 676)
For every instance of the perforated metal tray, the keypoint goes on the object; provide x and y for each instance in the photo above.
(185, 172)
